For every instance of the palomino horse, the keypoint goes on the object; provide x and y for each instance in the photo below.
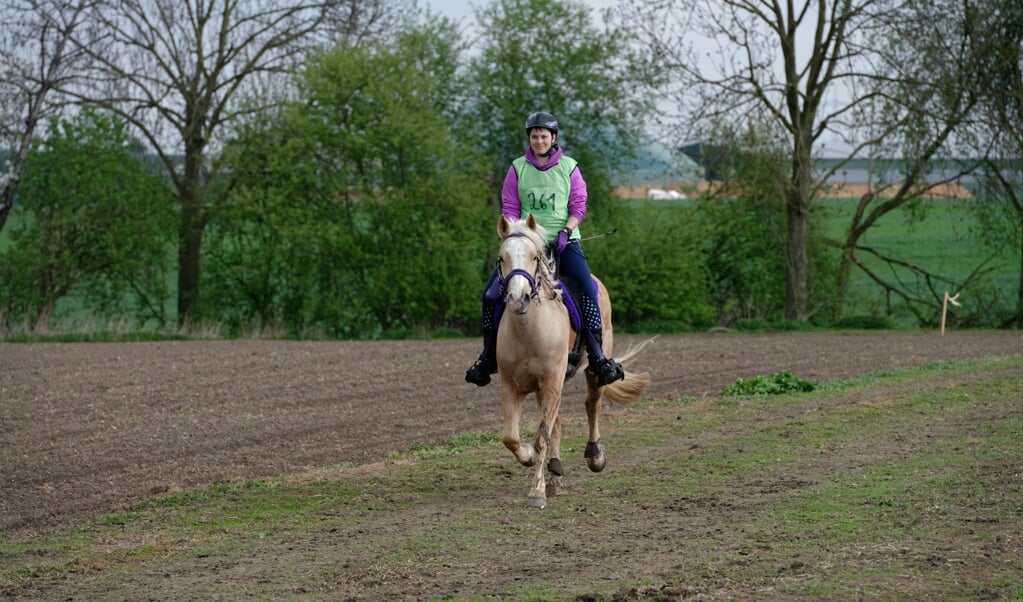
(533, 342)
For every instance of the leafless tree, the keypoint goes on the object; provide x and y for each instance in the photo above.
(998, 37)
(813, 72)
(36, 59)
(931, 81)
(179, 71)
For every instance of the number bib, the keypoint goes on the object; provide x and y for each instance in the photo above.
(545, 193)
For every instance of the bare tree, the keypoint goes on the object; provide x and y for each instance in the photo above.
(930, 83)
(179, 71)
(998, 25)
(810, 72)
(36, 58)
(787, 65)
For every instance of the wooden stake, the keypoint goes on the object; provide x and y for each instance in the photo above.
(944, 308)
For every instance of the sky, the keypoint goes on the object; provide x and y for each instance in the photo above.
(463, 9)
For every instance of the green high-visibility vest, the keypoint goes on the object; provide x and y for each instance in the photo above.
(544, 193)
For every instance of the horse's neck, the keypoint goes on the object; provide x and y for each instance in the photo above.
(541, 320)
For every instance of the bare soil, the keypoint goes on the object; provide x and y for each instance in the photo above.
(89, 429)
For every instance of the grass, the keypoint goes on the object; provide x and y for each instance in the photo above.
(787, 493)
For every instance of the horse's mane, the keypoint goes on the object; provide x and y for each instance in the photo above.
(538, 237)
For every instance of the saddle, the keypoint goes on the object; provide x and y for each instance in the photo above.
(575, 355)
(495, 295)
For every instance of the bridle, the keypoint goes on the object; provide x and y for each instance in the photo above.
(539, 278)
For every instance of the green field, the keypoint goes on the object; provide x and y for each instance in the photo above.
(944, 242)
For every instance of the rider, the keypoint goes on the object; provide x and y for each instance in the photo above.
(548, 184)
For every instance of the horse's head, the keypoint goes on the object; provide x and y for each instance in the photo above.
(521, 261)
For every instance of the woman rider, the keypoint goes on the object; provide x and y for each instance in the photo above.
(548, 184)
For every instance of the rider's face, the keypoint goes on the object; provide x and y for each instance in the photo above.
(540, 140)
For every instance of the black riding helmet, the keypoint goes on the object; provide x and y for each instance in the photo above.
(542, 119)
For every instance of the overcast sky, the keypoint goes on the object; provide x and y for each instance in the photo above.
(463, 9)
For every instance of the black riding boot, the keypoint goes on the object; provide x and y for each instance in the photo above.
(486, 364)
(606, 369)
(575, 357)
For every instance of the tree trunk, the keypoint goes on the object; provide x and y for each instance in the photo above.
(189, 244)
(1019, 296)
(190, 233)
(798, 214)
(795, 260)
(6, 202)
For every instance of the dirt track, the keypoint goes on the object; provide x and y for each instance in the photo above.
(87, 429)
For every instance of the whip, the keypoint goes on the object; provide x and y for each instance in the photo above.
(595, 236)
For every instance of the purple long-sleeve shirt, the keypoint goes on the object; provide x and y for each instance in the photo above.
(511, 206)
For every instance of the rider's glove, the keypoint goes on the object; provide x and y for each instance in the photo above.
(562, 240)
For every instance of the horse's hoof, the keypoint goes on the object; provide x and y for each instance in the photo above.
(597, 464)
(554, 487)
(536, 501)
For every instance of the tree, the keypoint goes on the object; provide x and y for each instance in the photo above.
(36, 57)
(355, 211)
(179, 71)
(923, 108)
(811, 74)
(95, 223)
(777, 66)
(998, 35)
(551, 56)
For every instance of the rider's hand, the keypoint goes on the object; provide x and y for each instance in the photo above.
(561, 241)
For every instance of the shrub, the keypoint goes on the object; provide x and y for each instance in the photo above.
(776, 384)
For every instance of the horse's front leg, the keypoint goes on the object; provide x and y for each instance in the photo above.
(511, 414)
(537, 497)
(595, 458)
(549, 399)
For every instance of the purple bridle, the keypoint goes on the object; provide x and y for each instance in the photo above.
(534, 279)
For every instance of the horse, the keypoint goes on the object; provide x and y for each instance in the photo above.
(534, 338)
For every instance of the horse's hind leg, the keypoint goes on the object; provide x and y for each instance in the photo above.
(554, 466)
(511, 413)
(595, 458)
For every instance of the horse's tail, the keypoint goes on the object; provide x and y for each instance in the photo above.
(630, 388)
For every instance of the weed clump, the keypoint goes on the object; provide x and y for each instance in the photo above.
(775, 384)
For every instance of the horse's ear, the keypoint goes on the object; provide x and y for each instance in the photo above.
(531, 222)
(503, 226)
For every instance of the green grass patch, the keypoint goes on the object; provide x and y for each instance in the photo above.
(776, 384)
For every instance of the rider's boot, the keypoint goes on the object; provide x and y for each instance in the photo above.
(486, 364)
(575, 357)
(606, 369)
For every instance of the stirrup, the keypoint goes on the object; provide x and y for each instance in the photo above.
(479, 372)
(609, 371)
